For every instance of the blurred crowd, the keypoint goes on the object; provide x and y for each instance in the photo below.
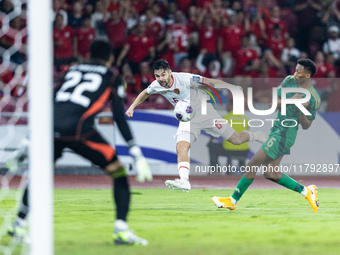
(250, 42)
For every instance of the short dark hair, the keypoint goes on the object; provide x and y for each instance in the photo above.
(100, 49)
(161, 64)
(308, 65)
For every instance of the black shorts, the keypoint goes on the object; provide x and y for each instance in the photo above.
(94, 148)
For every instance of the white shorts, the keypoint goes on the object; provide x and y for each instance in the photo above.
(206, 123)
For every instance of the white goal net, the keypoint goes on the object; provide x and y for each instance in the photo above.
(13, 117)
(25, 100)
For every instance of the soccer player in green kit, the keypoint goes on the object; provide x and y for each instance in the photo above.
(281, 139)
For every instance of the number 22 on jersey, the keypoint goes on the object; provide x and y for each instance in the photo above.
(75, 85)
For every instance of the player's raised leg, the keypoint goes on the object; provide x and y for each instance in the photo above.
(247, 136)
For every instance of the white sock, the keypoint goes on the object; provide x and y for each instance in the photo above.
(304, 192)
(251, 136)
(121, 225)
(233, 200)
(183, 170)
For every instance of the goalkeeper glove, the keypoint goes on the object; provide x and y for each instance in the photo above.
(141, 165)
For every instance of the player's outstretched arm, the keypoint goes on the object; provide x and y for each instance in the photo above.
(214, 82)
(140, 99)
(140, 163)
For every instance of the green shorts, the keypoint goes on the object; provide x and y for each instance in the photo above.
(276, 146)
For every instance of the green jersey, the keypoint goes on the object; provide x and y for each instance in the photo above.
(283, 133)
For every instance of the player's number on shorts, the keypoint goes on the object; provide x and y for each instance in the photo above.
(219, 126)
(270, 143)
(91, 82)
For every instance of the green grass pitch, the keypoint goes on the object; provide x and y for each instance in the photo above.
(265, 222)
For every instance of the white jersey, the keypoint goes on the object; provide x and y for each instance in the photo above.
(184, 86)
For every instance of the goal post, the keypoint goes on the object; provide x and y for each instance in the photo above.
(40, 92)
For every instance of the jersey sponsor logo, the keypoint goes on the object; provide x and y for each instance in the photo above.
(177, 91)
(196, 78)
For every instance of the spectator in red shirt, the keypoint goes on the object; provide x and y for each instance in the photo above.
(254, 23)
(63, 38)
(144, 78)
(179, 34)
(229, 36)
(229, 41)
(83, 38)
(154, 28)
(116, 29)
(247, 60)
(324, 71)
(207, 36)
(275, 20)
(138, 48)
(207, 33)
(166, 50)
(276, 41)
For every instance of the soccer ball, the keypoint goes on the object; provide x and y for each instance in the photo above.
(183, 111)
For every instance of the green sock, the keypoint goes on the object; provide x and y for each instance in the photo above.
(241, 187)
(120, 173)
(289, 183)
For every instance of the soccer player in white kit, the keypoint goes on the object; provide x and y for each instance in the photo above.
(179, 86)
